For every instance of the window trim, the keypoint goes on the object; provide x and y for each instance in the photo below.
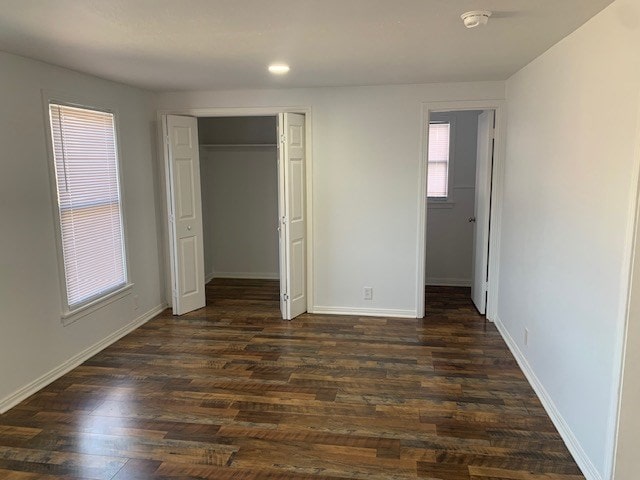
(70, 315)
(449, 201)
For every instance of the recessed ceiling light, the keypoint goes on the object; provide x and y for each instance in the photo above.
(279, 68)
(475, 18)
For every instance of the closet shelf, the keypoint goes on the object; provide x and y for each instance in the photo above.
(239, 145)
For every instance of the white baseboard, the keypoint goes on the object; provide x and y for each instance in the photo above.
(448, 282)
(208, 277)
(367, 312)
(248, 275)
(26, 391)
(573, 444)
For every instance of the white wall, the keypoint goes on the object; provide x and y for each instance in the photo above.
(32, 340)
(566, 224)
(366, 154)
(240, 211)
(449, 233)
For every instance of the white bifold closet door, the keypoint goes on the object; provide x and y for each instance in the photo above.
(185, 213)
(484, 161)
(293, 221)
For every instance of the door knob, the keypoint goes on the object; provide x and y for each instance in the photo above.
(189, 227)
(472, 219)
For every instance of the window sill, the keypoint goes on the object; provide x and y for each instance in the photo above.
(71, 316)
(440, 203)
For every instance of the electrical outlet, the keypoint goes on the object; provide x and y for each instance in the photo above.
(526, 336)
(136, 302)
(367, 293)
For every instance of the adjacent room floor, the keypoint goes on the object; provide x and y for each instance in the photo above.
(233, 392)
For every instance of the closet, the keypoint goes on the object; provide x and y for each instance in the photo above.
(239, 183)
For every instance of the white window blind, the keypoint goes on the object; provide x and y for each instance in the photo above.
(438, 176)
(86, 168)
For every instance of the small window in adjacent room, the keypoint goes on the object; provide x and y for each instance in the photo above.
(438, 159)
(91, 229)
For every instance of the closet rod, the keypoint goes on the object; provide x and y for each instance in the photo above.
(227, 145)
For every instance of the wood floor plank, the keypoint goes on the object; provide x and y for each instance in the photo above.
(232, 392)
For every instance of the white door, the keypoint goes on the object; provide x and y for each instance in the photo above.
(484, 163)
(293, 244)
(185, 213)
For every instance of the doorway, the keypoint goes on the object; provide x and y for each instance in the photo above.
(462, 188)
(239, 180)
(236, 190)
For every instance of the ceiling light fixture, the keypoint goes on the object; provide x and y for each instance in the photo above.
(475, 18)
(279, 68)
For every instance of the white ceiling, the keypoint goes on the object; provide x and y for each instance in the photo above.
(227, 44)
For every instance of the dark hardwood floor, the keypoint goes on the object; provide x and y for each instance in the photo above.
(233, 392)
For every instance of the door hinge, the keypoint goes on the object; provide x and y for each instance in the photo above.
(175, 294)
(171, 218)
(285, 297)
(283, 138)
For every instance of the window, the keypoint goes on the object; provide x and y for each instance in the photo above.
(438, 168)
(89, 205)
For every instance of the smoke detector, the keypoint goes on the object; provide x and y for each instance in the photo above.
(475, 18)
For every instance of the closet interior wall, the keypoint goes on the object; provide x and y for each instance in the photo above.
(239, 176)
